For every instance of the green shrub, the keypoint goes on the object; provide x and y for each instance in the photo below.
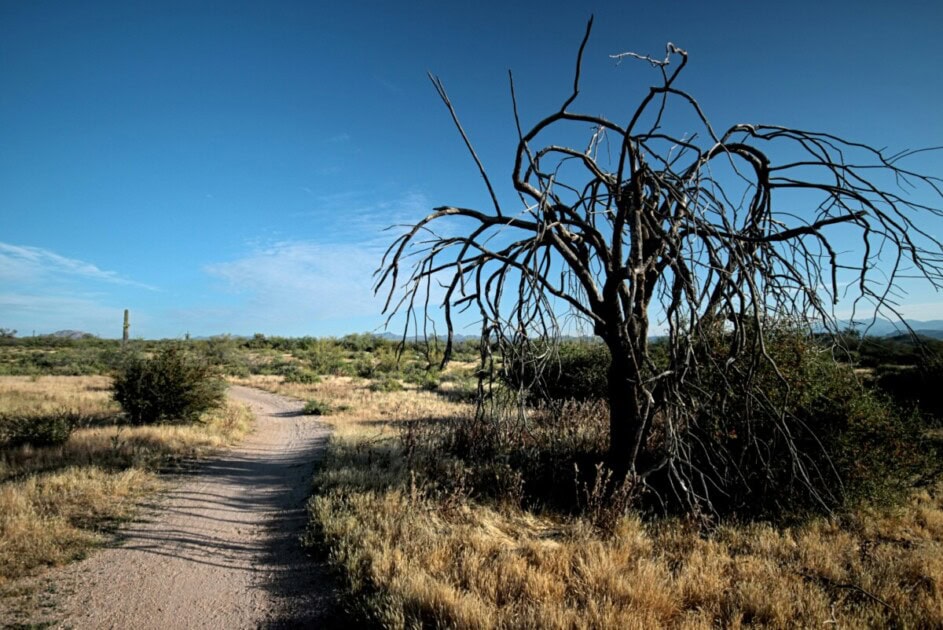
(326, 357)
(430, 382)
(361, 342)
(920, 386)
(364, 367)
(422, 374)
(387, 361)
(851, 443)
(36, 431)
(579, 371)
(317, 408)
(296, 374)
(386, 385)
(170, 387)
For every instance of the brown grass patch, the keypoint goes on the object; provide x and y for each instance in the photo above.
(52, 519)
(87, 396)
(414, 553)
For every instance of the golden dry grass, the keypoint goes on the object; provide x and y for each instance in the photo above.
(88, 396)
(53, 518)
(412, 556)
(55, 501)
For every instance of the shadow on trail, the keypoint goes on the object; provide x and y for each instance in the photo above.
(245, 511)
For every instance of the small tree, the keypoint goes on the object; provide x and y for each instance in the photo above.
(718, 235)
(170, 387)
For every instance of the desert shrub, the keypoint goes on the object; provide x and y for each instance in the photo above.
(900, 350)
(386, 384)
(429, 382)
(545, 462)
(386, 361)
(424, 375)
(296, 374)
(458, 386)
(172, 386)
(273, 365)
(327, 357)
(77, 358)
(363, 366)
(317, 408)
(577, 371)
(362, 342)
(466, 350)
(920, 386)
(227, 353)
(47, 430)
(851, 442)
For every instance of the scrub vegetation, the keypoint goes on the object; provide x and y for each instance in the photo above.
(72, 465)
(436, 514)
(437, 511)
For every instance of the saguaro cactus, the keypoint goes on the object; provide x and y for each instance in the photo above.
(127, 326)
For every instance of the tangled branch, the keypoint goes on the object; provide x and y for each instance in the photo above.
(701, 231)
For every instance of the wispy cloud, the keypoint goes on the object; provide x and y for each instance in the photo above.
(26, 264)
(44, 291)
(340, 138)
(361, 216)
(286, 284)
(308, 285)
(389, 86)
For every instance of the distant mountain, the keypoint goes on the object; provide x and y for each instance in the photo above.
(921, 334)
(71, 334)
(886, 328)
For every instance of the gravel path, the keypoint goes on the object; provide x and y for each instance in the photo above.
(221, 550)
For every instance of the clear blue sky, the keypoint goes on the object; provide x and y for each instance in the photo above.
(229, 167)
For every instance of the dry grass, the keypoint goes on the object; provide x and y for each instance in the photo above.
(415, 555)
(54, 518)
(88, 396)
(103, 442)
(56, 501)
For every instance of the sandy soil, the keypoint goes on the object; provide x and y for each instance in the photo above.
(220, 550)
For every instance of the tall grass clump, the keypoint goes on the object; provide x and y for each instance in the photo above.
(171, 386)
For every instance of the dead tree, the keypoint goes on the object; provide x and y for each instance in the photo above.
(701, 231)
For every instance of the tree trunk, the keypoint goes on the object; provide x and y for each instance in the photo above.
(624, 414)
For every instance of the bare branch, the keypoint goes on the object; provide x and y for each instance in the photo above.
(712, 234)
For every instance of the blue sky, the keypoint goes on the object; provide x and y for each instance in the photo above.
(230, 167)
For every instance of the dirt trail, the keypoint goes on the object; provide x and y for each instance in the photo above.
(221, 550)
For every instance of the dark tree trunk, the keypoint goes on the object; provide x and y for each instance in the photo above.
(625, 414)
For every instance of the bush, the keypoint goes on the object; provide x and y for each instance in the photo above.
(852, 443)
(317, 408)
(326, 357)
(170, 387)
(579, 371)
(387, 384)
(36, 431)
(296, 374)
(920, 386)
